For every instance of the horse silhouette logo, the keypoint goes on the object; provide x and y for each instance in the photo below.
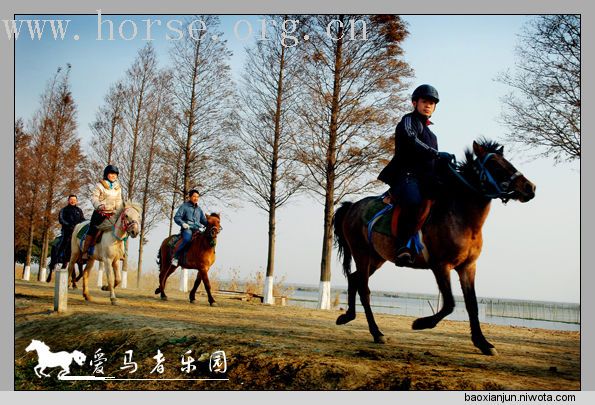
(45, 358)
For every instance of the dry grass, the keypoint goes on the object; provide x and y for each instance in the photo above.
(273, 347)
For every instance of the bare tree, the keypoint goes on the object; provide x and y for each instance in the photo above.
(24, 184)
(160, 111)
(62, 156)
(354, 90)
(266, 164)
(204, 99)
(107, 127)
(139, 84)
(543, 111)
(30, 173)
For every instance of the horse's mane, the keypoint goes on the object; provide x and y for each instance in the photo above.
(466, 167)
(214, 214)
(107, 225)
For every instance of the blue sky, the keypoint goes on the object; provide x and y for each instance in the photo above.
(531, 251)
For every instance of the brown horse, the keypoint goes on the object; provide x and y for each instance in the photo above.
(200, 255)
(451, 235)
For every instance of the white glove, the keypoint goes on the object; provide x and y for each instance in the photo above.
(185, 225)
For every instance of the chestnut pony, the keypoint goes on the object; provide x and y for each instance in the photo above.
(200, 255)
(451, 235)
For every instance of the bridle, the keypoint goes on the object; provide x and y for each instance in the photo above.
(124, 225)
(212, 232)
(489, 187)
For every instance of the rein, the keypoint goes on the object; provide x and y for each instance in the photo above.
(484, 175)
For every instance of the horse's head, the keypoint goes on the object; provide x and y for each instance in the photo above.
(214, 225)
(498, 178)
(130, 218)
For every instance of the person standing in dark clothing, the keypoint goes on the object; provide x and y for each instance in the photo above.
(411, 173)
(69, 217)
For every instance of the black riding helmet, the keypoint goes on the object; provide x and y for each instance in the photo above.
(110, 169)
(425, 91)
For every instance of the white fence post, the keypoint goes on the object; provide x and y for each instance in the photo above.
(61, 290)
(42, 274)
(184, 280)
(124, 279)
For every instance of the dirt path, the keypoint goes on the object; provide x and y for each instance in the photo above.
(279, 348)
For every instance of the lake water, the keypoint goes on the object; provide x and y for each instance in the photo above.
(532, 314)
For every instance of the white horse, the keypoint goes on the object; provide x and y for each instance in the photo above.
(110, 250)
(45, 359)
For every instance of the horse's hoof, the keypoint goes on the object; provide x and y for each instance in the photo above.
(380, 339)
(87, 298)
(421, 323)
(157, 290)
(104, 288)
(114, 301)
(163, 298)
(344, 318)
(213, 304)
(489, 351)
(192, 300)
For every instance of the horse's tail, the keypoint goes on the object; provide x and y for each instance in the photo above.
(340, 241)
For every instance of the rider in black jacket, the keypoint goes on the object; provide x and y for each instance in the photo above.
(69, 217)
(411, 173)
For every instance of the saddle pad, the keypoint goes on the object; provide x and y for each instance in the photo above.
(382, 224)
(83, 231)
(172, 242)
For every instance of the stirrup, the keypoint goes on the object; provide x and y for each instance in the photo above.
(174, 262)
(403, 256)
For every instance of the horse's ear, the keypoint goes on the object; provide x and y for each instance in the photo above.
(215, 214)
(500, 150)
(478, 150)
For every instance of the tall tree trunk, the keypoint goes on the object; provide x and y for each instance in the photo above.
(154, 131)
(30, 243)
(191, 114)
(324, 300)
(44, 253)
(268, 287)
(130, 190)
(174, 200)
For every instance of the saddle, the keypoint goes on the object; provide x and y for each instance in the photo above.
(382, 216)
(175, 241)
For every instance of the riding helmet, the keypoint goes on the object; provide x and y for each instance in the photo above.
(425, 91)
(110, 169)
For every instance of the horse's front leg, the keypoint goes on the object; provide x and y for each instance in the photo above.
(86, 272)
(442, 275)
(71, 272)
(195, 287)
(352, 280)
(36, 369)
(467, 278)
(364, 296)
(204, 274)
(117, 274)
(111, 284)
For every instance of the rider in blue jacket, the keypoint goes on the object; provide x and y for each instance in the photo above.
(190, 217)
